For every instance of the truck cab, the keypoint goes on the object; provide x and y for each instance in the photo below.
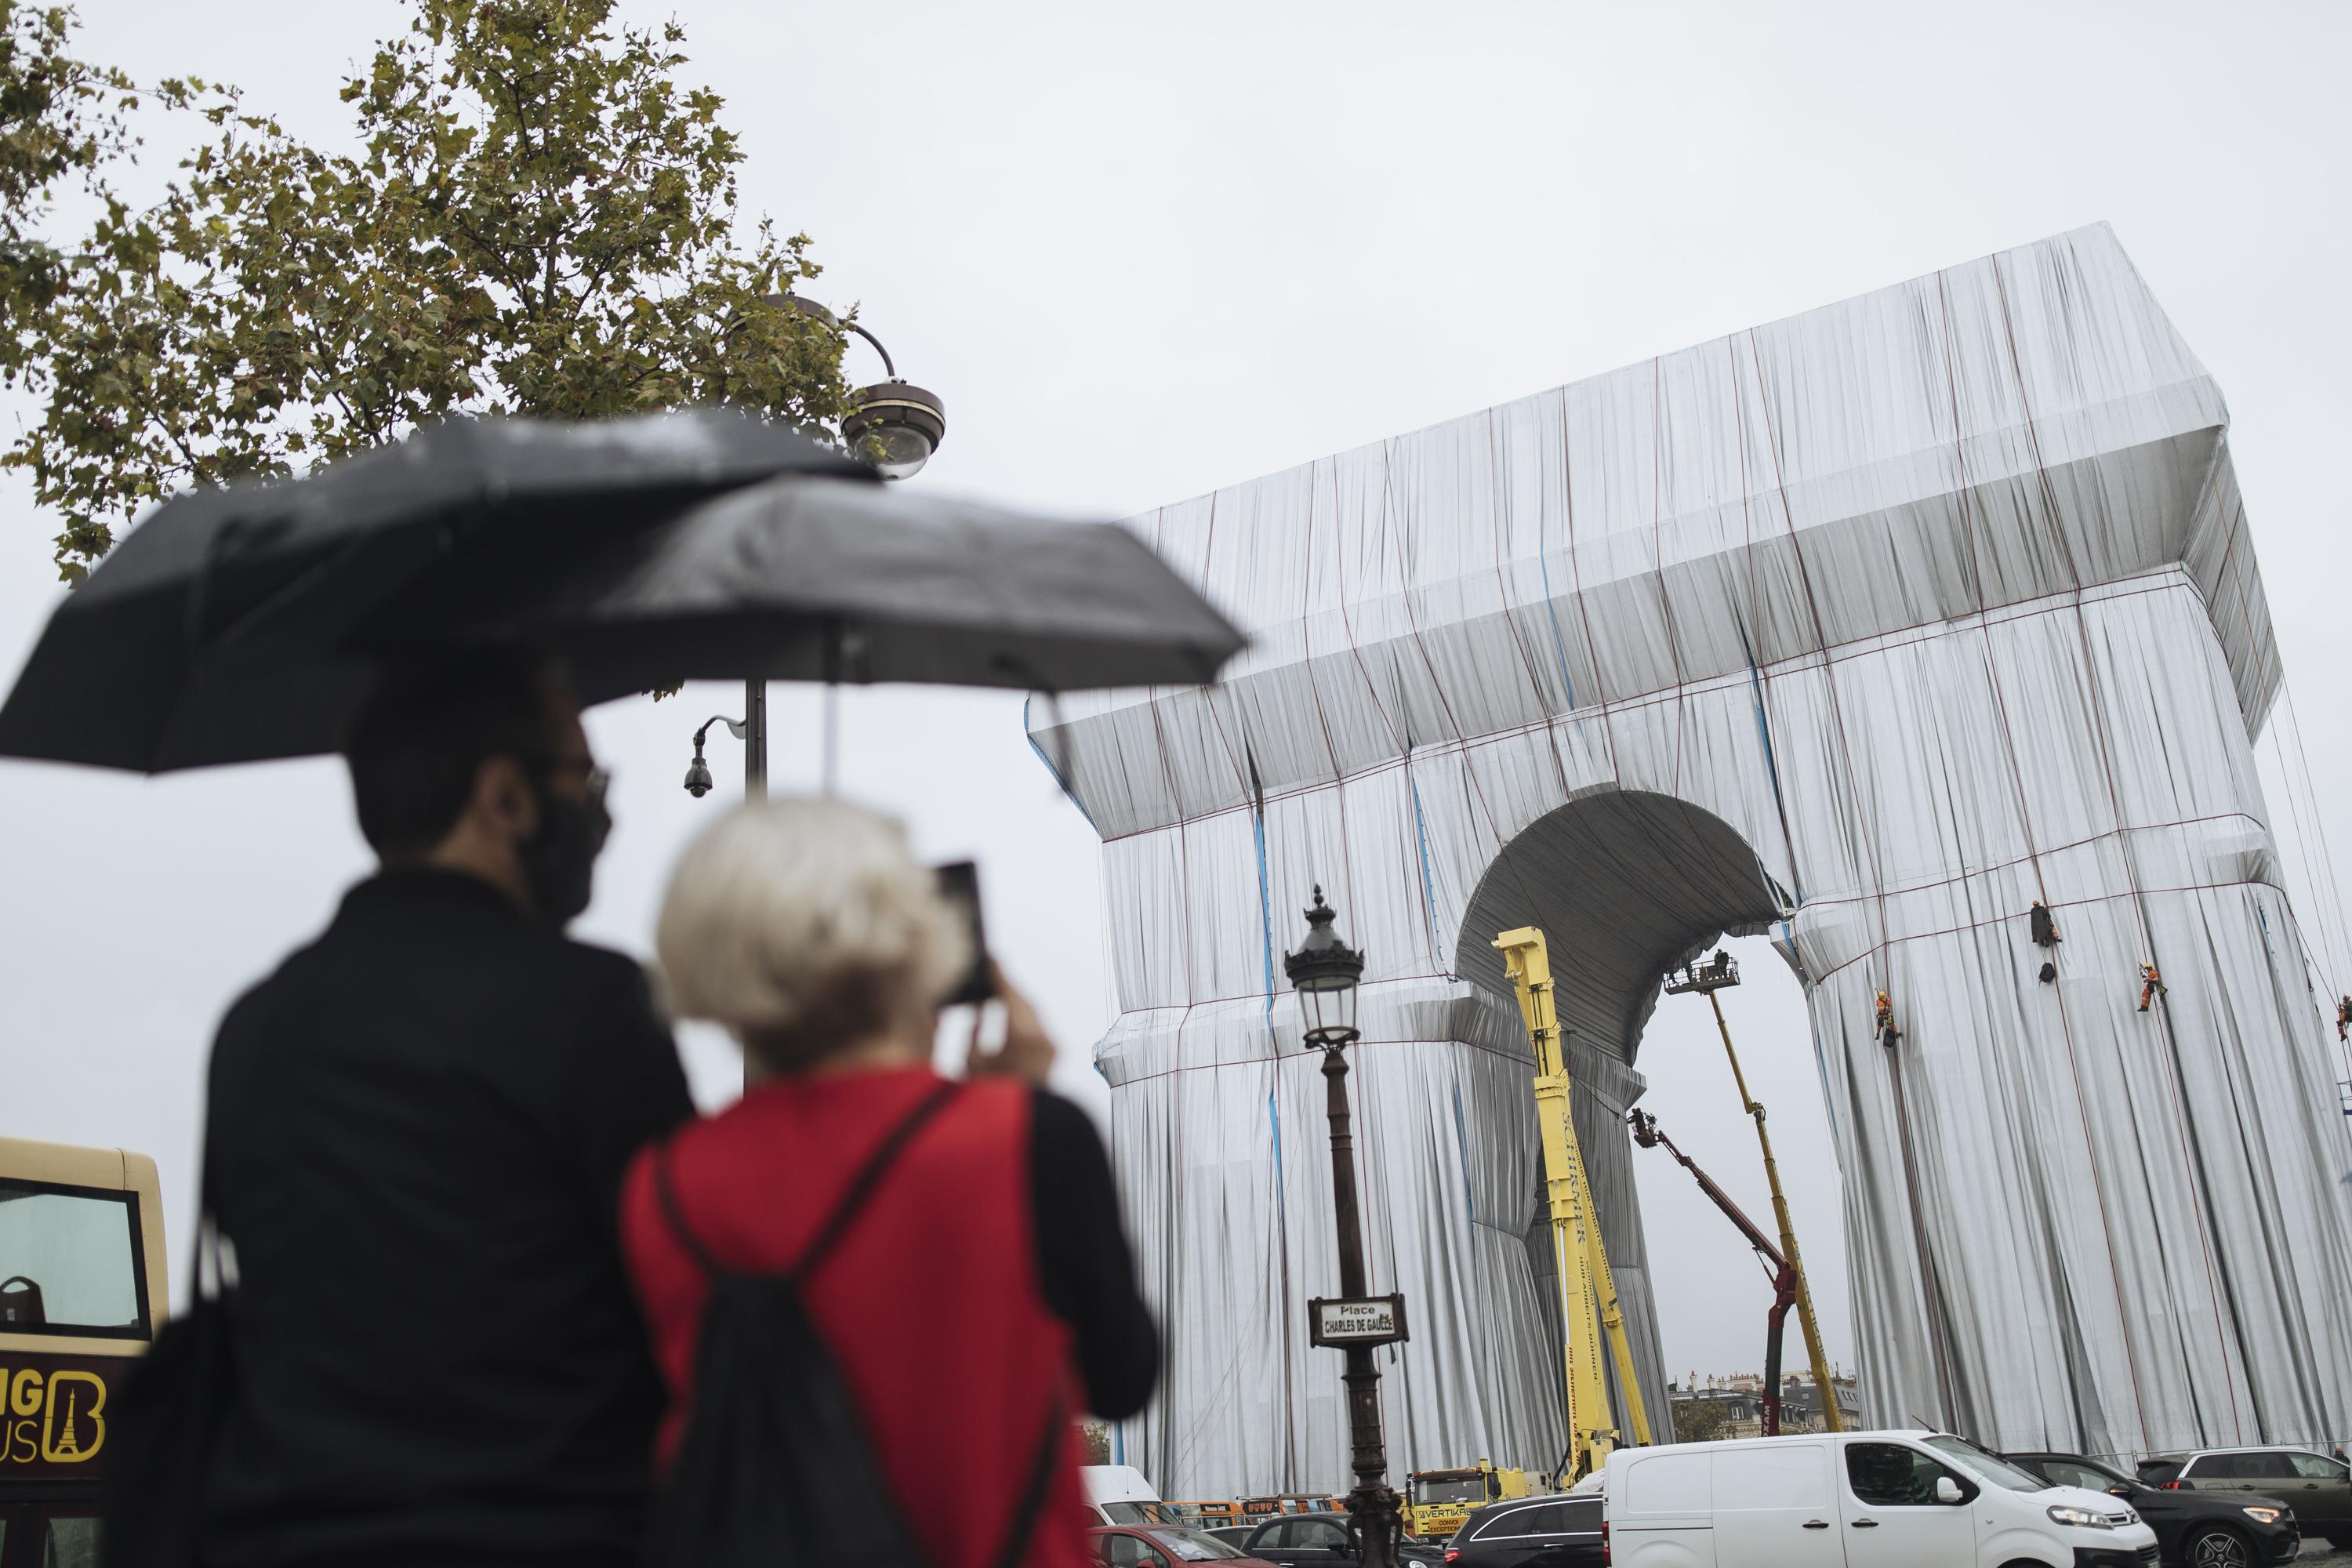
(1117, 1494)
(1436, 1501)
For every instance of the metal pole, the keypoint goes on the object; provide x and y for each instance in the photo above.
(1371, 1506)
(755, 740)
(1832, 1419)
(831, 737)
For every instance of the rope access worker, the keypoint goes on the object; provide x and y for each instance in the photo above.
(2343, 1017)
(2151, 985)
(2046, 937)
(1888, 1033)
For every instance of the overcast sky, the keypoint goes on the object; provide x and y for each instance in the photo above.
(1145, 249)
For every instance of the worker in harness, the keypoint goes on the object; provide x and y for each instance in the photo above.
(2046, 937)
(1888, 1033)
(2343, 1017)
(2151, 985)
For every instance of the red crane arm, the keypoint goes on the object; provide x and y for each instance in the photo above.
(1784, 1279)
(1647, 1135)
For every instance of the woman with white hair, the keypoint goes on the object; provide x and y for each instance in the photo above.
(970, 1281)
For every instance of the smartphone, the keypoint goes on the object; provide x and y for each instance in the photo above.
(960, 885)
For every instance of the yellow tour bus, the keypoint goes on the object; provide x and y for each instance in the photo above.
(81, 1293)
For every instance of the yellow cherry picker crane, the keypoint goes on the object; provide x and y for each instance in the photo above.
(1586, 1291)
(1717, 975)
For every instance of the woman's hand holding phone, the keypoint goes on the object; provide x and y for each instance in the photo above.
(1027, 1052)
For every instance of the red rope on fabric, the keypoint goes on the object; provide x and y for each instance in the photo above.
(1658, 555)
(2069, 904)
(2123, 837)
(1413, 619)
(2017, 776)
(2170, 579)
(1499, 482)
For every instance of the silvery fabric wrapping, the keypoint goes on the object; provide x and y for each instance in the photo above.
(1866, 629)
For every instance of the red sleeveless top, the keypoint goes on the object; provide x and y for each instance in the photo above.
(930, 1302)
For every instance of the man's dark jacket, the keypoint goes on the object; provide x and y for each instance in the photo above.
(417, 1133)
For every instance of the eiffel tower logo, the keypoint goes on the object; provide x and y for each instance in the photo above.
(67, 1448)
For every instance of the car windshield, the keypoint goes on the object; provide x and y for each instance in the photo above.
(1988, 1467)
(1141, 1513)
(1191, 1546)
(1451, 1489)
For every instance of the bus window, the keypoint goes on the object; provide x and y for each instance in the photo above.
(71, 1261)
(69, 1541)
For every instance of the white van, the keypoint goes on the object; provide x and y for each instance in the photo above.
(1857, 1499)
(1117, 1494)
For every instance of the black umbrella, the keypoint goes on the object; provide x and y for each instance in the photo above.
(815, 580)
(244, 625)
(217, 631)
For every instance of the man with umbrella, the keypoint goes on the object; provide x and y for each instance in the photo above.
(417, 1125)
(417, 1129)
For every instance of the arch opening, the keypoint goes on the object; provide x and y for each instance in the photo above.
(1624, 884)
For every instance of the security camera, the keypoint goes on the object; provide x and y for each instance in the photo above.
(698, 776)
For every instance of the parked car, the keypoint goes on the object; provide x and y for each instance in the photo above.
(1320, 1541)
(1231, 1535)
(1858, 1499)
(2193, 1529)
(1533, 1532)
(1162, 1546)
(2317, 1487)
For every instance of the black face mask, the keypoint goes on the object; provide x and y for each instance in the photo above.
(559, 860)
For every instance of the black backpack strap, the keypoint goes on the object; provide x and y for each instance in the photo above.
(1033, 1489)
(869, 1177)
(667, 1195)
(861, 1187)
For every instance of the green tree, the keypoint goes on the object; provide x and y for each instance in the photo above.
(61, 122)
(1094, 1443)
(537, 218)
(1701, 1421)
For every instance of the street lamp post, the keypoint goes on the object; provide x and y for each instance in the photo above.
(900, 426)
(905, 423)
(1325, 972)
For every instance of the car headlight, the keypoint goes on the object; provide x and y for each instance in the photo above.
(2081, 1518)
(2262, 1515)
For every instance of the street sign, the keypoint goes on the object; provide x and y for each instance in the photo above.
(1338, 1321)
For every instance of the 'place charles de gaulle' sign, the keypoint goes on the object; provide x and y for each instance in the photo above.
(1341, 1321)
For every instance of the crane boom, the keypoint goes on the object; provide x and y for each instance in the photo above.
(1647, 1135)
(1587, 1290)
(1709, 978)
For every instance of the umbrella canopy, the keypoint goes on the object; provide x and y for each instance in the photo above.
(217, 631)
(816, 580)
(244, 624)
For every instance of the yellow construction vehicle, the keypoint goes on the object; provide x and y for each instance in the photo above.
(1587, 1291)
(1436, 1501)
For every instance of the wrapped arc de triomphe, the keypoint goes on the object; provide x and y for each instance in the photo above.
(1866, 629)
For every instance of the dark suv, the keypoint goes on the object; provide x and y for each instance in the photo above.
(1322, 1540)
(1533, 1532)
(2315, 1486)
(2195, 1530)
